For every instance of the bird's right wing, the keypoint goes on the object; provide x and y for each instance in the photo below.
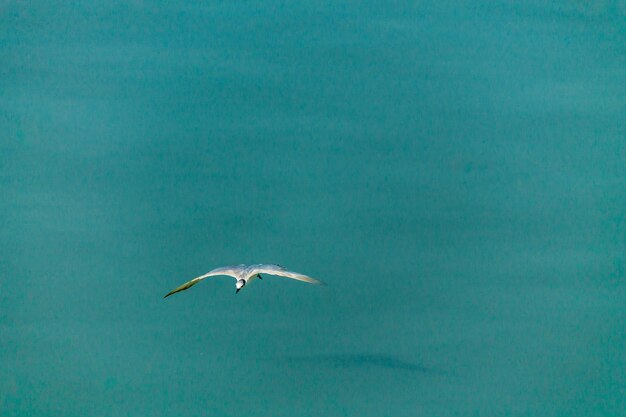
(226, 270)
(283, 272)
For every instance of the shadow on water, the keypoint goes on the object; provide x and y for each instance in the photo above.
(361, 360)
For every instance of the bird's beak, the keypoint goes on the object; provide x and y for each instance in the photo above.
(237, 290)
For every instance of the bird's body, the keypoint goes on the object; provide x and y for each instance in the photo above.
(246, 273)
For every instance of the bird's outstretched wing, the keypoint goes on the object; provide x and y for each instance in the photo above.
(226, 270)
(283, 272)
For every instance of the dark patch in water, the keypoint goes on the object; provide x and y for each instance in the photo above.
(361, 360)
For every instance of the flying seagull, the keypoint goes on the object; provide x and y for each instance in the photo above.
(246, 273)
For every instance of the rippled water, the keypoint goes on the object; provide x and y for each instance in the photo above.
(455, 173)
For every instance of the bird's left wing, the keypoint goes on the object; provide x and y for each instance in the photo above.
(226, 270)
(283, 272)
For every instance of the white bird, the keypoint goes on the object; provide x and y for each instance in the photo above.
(244, 274)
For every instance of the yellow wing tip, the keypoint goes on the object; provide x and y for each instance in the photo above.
(181, 288)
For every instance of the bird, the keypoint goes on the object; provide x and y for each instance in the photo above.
(244, 274)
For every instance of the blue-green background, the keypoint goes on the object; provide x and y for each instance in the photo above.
(454, 171)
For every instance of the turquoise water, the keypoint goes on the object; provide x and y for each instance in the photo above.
(454, 171)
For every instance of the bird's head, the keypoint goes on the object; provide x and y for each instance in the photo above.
(240, 284)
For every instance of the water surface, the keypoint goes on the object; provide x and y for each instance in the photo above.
(454, 172)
